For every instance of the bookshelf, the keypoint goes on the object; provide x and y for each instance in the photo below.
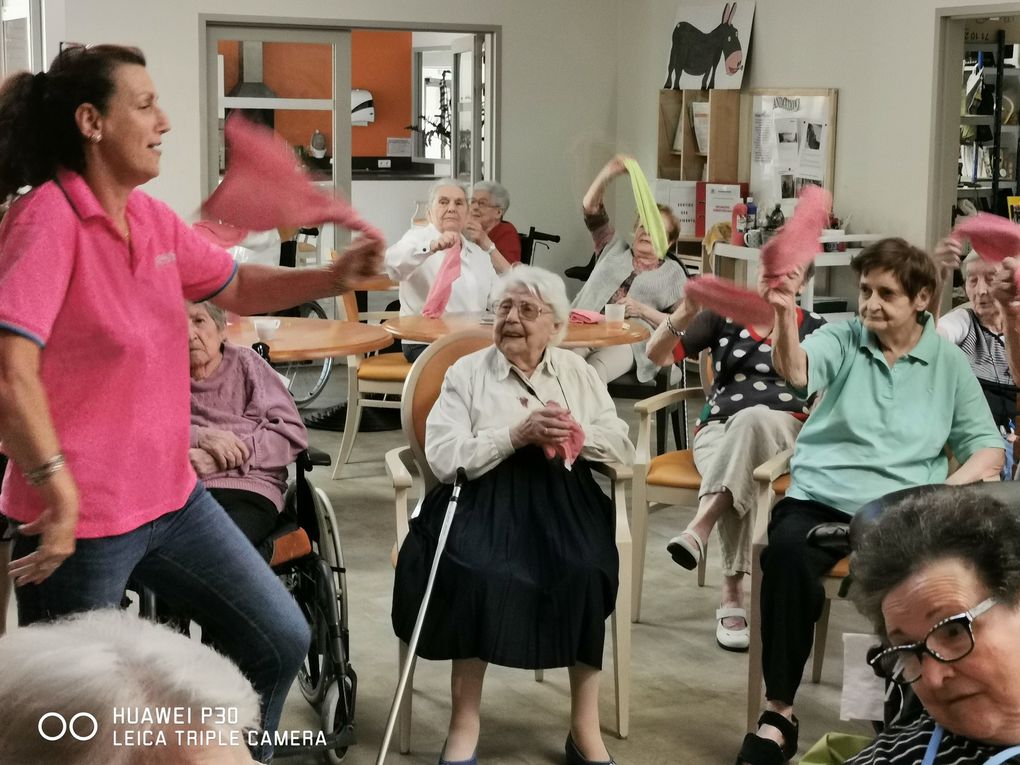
(719, 162)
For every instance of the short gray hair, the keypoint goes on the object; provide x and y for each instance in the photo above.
(545, 285)
(106, 660)
(442, 182)
(217, 314)
(500, 196)
(933, 524)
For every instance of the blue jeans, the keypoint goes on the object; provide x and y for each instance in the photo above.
(195, 555)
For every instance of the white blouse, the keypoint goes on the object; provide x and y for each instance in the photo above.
(483, 397)
(410, 263)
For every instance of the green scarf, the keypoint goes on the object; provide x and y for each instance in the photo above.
(648, 211)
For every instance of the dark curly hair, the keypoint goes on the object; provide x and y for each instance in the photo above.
(910, 265)
(949, 522)
(38, 132)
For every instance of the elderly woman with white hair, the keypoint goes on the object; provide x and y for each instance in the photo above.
(438, 268)
(107, 687)
(530, 571)
(487, 227)
(979, 330)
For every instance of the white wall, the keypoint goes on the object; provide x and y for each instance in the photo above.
(558, 77)
(879, 54)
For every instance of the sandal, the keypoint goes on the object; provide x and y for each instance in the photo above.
(756, 750)
(684, 553)
(732, 640)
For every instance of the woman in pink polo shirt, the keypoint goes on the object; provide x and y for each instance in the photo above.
(94, 386)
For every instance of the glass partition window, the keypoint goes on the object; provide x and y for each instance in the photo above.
(21, 41)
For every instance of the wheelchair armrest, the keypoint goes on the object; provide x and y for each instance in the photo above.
(316, 457)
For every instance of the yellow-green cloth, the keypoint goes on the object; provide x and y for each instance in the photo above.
(834, 749)
(647, 209)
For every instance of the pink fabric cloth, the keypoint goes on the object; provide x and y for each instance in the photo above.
(581, 316)
(570, 448)
(439, 292)
(796, 244)
(727, 299)
(110, 318)
(221, 234)
(264, 187)
(993, 237)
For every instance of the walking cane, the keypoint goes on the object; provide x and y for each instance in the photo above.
(412, 646)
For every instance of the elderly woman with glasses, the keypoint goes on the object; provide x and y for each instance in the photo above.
(486, 227)
(939, 576)
(529, 574)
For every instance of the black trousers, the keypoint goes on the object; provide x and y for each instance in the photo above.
(791, 592)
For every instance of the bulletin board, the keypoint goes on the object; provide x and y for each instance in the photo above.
(793, 142)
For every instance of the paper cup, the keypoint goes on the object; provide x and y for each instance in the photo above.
(615, 313)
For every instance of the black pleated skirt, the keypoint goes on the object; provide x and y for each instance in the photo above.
(530, 570)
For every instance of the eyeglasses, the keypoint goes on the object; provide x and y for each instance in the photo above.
(948, 641)
(527, 311)
(482, 203)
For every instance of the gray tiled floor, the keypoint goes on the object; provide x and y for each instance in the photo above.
(687, 697)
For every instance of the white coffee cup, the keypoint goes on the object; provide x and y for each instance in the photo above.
(266, 328)
(615, 313)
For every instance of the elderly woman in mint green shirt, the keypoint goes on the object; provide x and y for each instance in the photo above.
(894, 395)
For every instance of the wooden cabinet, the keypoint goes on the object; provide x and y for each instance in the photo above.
(681, 160)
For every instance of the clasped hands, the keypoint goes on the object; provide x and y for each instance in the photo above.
(217, 450)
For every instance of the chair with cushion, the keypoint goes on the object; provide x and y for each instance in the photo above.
(421, 390)
(773, 479)
(372, 380)
(664, 480)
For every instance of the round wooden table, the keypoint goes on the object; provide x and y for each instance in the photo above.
(311, 339)
(578, 335)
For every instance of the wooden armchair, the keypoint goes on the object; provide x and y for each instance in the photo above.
(663, 480)
(773, 480)
(421, 389)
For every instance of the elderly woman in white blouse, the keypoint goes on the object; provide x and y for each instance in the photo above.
(529, 574)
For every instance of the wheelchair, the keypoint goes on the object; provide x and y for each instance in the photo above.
(308, 558)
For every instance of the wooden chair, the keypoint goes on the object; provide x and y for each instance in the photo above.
(662, 481)
(628, 386)
(773, 480)
(421, 390)
(376, 374)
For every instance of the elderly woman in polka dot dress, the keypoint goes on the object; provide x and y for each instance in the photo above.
(750, 416)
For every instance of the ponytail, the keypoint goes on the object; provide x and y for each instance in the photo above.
(38, 131)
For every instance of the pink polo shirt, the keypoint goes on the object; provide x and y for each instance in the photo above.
(109, 317)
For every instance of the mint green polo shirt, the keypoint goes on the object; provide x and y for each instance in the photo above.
(878, 428)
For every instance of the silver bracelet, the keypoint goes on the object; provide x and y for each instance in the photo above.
(44, 472)
(673, 330)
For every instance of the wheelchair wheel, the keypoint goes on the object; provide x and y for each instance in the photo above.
(316, 673)
(338, 712)
(306, 379)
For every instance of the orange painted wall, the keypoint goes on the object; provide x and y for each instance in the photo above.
(380, 63)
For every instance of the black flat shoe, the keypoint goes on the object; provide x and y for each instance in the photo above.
(574, 756)
(756, 750)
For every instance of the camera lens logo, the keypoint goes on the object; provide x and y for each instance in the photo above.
(78, 726)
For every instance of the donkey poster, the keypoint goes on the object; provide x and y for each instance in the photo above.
(708, 45)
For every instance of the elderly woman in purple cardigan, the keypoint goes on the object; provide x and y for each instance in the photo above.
(245, 429)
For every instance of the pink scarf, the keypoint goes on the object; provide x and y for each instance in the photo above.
(796, 244)
(993, 237)
(570, 448)
(265, 188)
(727, 299)
(439, 292)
